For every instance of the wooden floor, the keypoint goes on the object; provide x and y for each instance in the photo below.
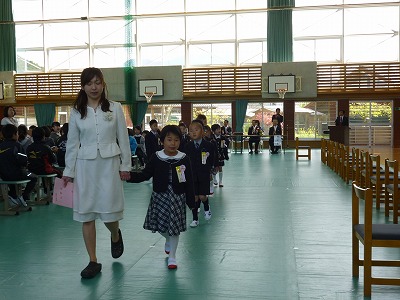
(281, 229)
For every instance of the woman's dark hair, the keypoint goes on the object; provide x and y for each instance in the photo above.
(201, 118)
(22, 132)
(130, 132)
(38, 134)
(172, 129)
(64, 129)
(47, 131)
(8, 131)
(81, 101)
(6, 111)
(198, 123)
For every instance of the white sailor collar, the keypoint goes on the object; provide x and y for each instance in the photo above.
(161, 155)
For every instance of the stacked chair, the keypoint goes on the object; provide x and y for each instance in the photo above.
(372, 179)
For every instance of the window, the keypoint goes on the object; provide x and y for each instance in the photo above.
(370, 123)
(212, 27)
(165, 114)
(311, 119)
(212, 54)
(216, 113)
(171, 55)
(262, 112)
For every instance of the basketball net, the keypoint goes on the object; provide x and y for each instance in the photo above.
(149, 96)
(281, 93)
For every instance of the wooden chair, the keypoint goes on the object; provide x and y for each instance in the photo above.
(339, 158)
(357, 167)
(324, 151)
(298, 148)
(7, 211)
(376, 179)
(348, 164)
(371, 235)
(392, 189)
(362, 165)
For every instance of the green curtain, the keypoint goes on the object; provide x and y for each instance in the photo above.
(279, 31)
(241, 108)
(130, 71)
(8, 57)
(141, 111)
(45, 113)
(130, 92)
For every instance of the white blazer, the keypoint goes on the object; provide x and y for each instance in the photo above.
(100, 132)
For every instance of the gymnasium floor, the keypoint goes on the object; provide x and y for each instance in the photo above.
(281, 229)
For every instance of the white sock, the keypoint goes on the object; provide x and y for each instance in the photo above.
(167, 237)
(173, 241)
(215, 178)
(220, 177)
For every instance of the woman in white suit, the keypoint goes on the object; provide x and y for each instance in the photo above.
(97, 159)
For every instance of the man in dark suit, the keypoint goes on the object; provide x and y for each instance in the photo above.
(342, 120)
(278, 116)
(226, 130)
(275, 129)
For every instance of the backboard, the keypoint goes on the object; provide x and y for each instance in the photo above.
(277, 82)
(151, 85)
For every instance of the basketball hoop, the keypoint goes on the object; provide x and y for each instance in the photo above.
(149, 96)
(281, 93)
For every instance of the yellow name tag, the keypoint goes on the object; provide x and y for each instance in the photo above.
(204, 156)
(180, 171)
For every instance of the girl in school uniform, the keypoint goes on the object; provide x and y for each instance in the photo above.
(201, 154)
(172, 188)
(208, 136)
(221, 145)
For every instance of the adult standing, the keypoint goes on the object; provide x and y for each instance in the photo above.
(98, 159)
(9, 116)
(278, 116)
(342, 120)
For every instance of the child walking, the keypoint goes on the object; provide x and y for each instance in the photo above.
(221, 144)
(172, 188)
(201, 154)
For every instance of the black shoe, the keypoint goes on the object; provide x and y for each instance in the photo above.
(256, 152)
(251, 152)
(117, 248)
(92, 269)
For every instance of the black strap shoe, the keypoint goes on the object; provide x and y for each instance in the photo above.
(92, 269)
(117, 248)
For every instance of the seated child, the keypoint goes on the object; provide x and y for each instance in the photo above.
(13, 168)
(275, 129)
(40, 156)
(141, 149)
(172, 188)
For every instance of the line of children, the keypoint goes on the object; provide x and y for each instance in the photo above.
(172, 188)
(208, 136)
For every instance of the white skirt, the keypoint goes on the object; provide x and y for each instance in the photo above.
(98, 190)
